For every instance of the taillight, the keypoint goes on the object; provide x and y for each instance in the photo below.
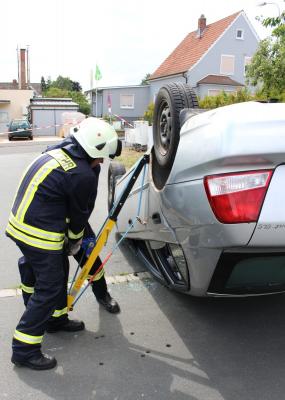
(237, 197)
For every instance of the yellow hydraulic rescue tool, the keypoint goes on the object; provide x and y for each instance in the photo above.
(105, 232)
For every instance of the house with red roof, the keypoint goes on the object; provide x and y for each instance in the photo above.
(212, 58)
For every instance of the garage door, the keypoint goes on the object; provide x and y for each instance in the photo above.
(42, 119)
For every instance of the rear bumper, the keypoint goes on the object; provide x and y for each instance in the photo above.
(248, 274)
(20, 134)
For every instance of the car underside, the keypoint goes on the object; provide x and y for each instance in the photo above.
(211, 220)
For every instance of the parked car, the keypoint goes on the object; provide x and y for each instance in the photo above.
(213, 200)
(20, 128)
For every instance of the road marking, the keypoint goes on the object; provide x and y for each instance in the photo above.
(111, 280)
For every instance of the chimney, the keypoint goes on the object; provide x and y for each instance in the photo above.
(23, 81)
(201, 25)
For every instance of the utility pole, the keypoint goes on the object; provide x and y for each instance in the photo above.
(18, 66)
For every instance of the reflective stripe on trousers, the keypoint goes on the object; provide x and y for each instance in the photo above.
(29, 339)
(59, 313)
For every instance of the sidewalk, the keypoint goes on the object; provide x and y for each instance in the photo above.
(4, 142)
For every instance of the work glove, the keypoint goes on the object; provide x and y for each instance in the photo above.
(87, 245)
(72, 247)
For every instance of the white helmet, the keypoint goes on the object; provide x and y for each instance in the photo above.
(98, 138)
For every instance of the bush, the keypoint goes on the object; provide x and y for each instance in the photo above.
(109, 118)
(224, 99)
(148, 115)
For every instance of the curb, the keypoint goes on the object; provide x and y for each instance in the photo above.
(35, 142)
(111, 280)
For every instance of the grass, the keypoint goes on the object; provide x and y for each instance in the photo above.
(129, 157)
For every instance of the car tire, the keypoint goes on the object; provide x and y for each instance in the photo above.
(170, 100)
(115, 171)
(31, 138)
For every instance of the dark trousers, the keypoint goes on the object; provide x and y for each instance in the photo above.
(49, 295)
(28, 278)
(48, 272)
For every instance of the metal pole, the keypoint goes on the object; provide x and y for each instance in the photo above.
(265, 3)
(19, 83)
(91, 79)
(96, 101)
(28, 66)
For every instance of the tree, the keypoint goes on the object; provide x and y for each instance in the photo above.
(267, 68)
(48, 83)
(145, 80)
(65, 87)
(62, 83)
(80, 99)
(43, 84)
(56, 92)
(76, 87)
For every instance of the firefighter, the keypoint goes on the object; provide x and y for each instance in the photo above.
(56, 195)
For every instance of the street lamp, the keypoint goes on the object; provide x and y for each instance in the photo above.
(265, 3)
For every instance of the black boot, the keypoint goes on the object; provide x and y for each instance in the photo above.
(39, 362)
(109, 303)
(103, 297)
(69, 325)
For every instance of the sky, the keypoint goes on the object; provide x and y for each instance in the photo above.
(126, 38)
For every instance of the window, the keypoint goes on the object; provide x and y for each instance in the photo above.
(227, 65)
(247, 61)
(20, 125)
(4, 117)
(216, 92)
(239, 34)
(127, 101)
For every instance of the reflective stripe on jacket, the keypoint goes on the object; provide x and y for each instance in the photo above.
(54, 187)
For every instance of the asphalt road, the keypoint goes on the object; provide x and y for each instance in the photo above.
(162, 345)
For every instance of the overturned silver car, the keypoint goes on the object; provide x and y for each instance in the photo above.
(213, 201)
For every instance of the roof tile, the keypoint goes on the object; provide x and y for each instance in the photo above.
(219, 80)
(192, 48)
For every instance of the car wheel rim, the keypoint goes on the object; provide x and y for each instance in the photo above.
(164, 138)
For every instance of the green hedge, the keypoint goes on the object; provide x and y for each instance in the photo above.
(224, 99)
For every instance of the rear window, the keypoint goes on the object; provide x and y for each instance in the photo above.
(20, 125)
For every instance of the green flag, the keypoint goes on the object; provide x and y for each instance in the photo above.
(98, 74)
